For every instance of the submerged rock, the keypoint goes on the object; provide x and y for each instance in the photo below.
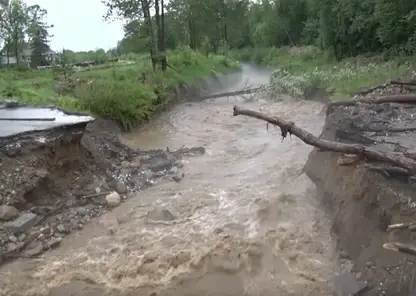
(160, 214)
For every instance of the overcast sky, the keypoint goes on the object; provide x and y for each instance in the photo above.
(79, 25)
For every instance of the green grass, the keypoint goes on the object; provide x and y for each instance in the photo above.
(301, 69)
(115, 90)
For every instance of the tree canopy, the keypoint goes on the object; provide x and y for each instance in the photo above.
(340, 27)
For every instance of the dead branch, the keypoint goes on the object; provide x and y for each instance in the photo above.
(411, 88)
(403, 99)
(399, 82)
(288, 127)
(401, 247)
(389, 129)
(408, 226)
(366, 91)
(234, 93)
(406, 84)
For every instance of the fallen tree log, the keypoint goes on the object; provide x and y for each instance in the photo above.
(411, 226)
(401, 247)
(289, 127)
(411, 88)
(405, 84)
(401, 99)
(400, 82)
(234, 93)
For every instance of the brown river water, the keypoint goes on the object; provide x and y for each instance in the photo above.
(247, 221)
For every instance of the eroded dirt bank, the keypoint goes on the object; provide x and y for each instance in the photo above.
(240, 222)
(364, 198)
(55, 181)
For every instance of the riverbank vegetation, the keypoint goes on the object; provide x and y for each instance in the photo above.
(301, 70)
(340, 45)
(128, 91)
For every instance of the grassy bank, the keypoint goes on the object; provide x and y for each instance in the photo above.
(302, 69)
(126, 92)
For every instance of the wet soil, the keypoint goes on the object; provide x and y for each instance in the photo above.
(363, 199)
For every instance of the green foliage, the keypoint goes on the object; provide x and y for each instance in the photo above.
(302, 70)
(126, 101)
(127, 92)
(341, 28)
(283, 81)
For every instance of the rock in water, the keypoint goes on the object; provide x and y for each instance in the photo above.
(113, 199)
(160, 214)
(8, 213)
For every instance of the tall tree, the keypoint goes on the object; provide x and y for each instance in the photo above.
(15, 23)
(340, 27)
(38, 35)
(139, 10)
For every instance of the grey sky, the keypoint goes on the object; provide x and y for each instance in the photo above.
(79, 25)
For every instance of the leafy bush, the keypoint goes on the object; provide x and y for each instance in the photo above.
(126, 102)
(282, 81)
(132, 93)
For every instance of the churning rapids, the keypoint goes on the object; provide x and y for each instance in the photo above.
(247, 221)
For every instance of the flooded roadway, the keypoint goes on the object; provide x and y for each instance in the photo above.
(247, 223)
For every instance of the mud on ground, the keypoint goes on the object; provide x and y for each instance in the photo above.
(363, 199)
(53, 182)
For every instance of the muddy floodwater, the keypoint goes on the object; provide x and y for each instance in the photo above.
(242, 221)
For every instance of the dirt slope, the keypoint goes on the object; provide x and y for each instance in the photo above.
(363, 199)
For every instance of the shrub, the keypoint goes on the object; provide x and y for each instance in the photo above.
(283, 81)
(127, 102)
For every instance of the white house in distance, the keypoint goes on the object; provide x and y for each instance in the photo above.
(26, 57)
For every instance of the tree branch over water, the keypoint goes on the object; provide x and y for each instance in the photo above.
(289, 127)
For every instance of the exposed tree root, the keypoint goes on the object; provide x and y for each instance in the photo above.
(287, 127)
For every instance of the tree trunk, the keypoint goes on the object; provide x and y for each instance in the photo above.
(8, 52)
(192, 33)
(162, 39)
(158, 30)
(150, 33)
(225, 23)
(16, 47)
